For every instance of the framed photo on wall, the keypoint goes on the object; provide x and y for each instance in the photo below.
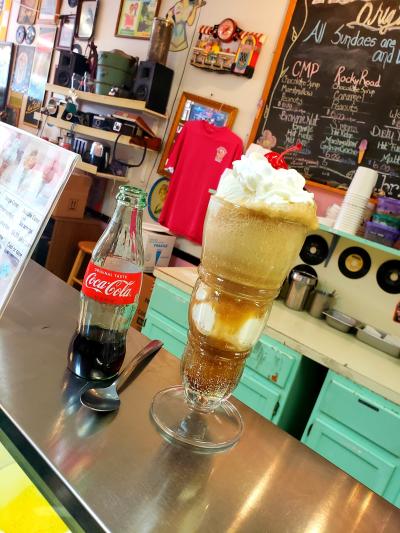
(5, 8)
(86, 19)
(6, 58)
(13, 108)
(27, 12)
(22, 69)
(135, 18)
(49, 11)
(39, 75)
(193, 107)
(66, 32)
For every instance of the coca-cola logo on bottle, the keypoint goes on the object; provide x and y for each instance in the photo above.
(107, 286)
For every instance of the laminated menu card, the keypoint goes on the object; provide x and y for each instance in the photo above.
(33, 173)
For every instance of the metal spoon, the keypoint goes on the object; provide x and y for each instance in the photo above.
(106, 398)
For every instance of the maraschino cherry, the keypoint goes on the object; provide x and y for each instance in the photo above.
(276, 160)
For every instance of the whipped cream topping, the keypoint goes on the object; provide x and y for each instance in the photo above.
(255, 183)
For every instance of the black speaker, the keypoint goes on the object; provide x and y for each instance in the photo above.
(153, 85)
(69, 63)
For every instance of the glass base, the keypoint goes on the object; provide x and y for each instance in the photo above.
(216, 430)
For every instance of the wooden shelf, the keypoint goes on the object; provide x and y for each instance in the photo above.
(112, 101)
(86, 167)
(92, 169)
(361, 240)
(87, 131)
(112, 177)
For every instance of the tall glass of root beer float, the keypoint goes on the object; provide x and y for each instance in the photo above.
(255, 227)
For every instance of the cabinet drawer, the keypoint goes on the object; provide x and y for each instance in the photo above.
(170, 302)
(257, 393)
(272, 360)
(366, 463)
(363, 411)
(159, 327)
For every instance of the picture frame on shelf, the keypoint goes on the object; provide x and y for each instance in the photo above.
(6, 60)
(86, 19)
(66, 32)
(27, 13)
(135, 18)
(194, 107)
(5, 9)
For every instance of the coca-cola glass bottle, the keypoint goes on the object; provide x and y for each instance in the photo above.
(110, 291)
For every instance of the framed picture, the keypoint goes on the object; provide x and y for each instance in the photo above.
(13, 108)
(47, 36)
(27, 12)
(5, 8)
(86, 19)
(65, 36)
(39, 75)
(193, 107)
(6, 58)
(157, 195)
(135, 18)
(49, 11)
(22, 69)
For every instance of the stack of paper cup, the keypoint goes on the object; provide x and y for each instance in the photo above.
(356, 200)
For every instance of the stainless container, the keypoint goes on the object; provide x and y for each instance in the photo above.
(378, 343)
(319, 302)
(160, 40)
(340, 321)
(300, 287)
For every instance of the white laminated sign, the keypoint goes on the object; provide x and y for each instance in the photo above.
(33, 173)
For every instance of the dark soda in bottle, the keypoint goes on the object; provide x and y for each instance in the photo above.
(110, 291)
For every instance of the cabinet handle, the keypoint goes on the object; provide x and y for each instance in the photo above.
(309, 429)
(368, 405)
(275, 409)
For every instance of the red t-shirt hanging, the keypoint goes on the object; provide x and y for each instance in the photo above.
(199, 156)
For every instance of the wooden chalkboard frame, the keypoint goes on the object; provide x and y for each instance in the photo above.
(268, 85)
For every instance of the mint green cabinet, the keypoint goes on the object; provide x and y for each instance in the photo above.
(356, 456)
(277, 382)
(358, 431)
(159, 327)
(257, 394)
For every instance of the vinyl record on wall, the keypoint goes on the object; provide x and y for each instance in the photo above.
(354, 262)
(30, 35)
(20, 34)
(315, 250)
(302, 268)
(388, 276)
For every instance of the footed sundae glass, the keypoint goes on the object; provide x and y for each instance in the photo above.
(254, 229)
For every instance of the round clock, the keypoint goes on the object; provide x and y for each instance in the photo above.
(30, 35)
(20, 35)
(226, 30)
(73, 3)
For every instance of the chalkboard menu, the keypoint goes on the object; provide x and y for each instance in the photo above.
(336, 81)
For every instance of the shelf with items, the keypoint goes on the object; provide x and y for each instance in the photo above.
(111, 101)
(355, 238)
(108, 176)
(88, 131)
(92, 169)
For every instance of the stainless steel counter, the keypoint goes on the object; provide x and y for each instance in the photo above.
(128, 476)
